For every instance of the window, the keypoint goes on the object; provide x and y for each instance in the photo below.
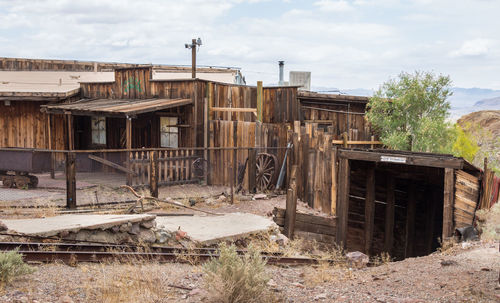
(169, 132)
(98, 130)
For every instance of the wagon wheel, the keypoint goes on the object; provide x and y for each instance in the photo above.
(267, 167)
(33, 181)
(7, 182)
(21, 183)
(199, 167)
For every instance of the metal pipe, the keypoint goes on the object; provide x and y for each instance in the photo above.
(282, 66)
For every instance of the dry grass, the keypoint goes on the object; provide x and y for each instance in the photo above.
(446, 246)
(126, 283)
(382, 259)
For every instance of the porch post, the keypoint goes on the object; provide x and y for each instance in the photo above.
(70, 166)
(128, 146)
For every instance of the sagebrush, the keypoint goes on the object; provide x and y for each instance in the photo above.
(233, 278)
(12, 266)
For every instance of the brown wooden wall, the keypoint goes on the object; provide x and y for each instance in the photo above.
(23, 125)
(280, 105)
(355, 125)
(226, 95)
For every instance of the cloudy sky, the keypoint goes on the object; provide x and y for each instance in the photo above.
(344, 43)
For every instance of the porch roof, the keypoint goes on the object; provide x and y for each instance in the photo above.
(114, 107)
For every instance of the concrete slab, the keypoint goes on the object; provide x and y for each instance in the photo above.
(212, 229)
(71, 223)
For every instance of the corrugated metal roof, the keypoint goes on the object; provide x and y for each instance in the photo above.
(114, 107)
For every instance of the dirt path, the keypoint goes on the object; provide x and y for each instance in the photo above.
(473, 278)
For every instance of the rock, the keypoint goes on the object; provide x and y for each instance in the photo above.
(124, 228)
(357, 259)
(192, 202)
(448, 262)
(259, 196)
(22, 299)
(272, 284)
(466, 245)
(65, 299)
(162, 236)
(149, 224)
(221, 198)
(282, 240)
(297, 284)
(3, 227)
(134, 230)
(146, 236)
(243, 198)
(63, 234)
(115, 228)
(320, 297)
(209, 201)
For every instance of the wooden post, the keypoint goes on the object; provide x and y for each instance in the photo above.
(372, 139)
(291, 204)
(259, 101)
(252, 170)
(410, 219)
(71, 139)
(344, 139)
(128, 144)
(153, 176)
(343, 202)
(70, 180)
(448, 199)
(52, 155)
(369, 207)
(333, 203)
(234, 172)
(195, 115)
(389, 214)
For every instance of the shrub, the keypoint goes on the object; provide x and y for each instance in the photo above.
(234, 278)
(12, 265)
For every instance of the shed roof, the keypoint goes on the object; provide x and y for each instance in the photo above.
(313, 96)
(114, 107)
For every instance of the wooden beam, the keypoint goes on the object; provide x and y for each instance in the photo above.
(430, 217)
(111, 164)
(333, 202)
(195, 115)
(252, 170)
(357, 142)
(153, 176)
(291, 204)
(369, 208)
(70, 180)
(389, 215)
(448, 201)
(234, 109)
(343, 202)
(410, 220)
(128, 145)
(259, 100)
(403, 158)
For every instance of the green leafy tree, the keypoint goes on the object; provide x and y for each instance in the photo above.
(410, 112)
(464, 145)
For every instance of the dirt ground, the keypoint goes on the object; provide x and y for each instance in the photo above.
(472, 277)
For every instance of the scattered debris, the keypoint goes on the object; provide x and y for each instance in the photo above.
(259, 196)
(448, 262)
(468, 233)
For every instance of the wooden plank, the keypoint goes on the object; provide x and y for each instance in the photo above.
(389, 215)
(333, 202)
(259, 101)
(369, 208)
(111, 164)
(343, 201)
(252, 170)
(409, 159)
(71, 180)
(431, 206)
(349, 142)
(410, 220)
(448, 202)
(329, 222)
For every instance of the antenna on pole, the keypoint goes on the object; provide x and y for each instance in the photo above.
(194, 43)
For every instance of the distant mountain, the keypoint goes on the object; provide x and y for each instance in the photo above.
(463, 100)
(486, 119)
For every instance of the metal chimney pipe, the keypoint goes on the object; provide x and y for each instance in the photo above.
(282, 66)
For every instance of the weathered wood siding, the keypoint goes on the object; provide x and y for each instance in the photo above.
(280, 105)
(466, 198)
(23, 125)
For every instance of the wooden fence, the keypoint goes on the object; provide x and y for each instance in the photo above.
(174, 166)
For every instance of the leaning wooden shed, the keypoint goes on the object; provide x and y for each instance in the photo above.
(402, 202)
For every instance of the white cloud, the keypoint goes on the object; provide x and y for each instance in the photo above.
(334, 5)
(476, 47)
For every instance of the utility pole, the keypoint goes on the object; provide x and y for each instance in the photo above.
(192, 46)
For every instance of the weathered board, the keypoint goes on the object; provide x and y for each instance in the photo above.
(466, 198)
